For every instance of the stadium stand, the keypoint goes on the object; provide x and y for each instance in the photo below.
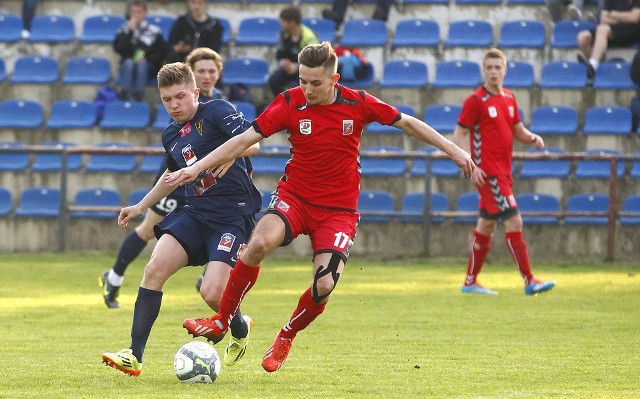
(111, 163)
(631, 204)
(595, 169)
(538, 202)
(248, 71)
(325, 29)
(405, 73)
(20, 114)
(52, 162)
(6, 202)
(35, 69)
(13, 161)
(262, 31)
(151, 163)
(10, 28)
(39, 202)
(467, 202)
(100, 28)
(522, 34)
(442, 117)
(375, 201)
(87, 70)
(609, 120)
(536, 169)
(270, 164)
(588, 202)
(563, 75)
(96, 197)
(554, 120)
(413, 207)
(125, 115)
(52, 29)
(416, 33)
(469, 33)
(72, 114)
(162, 118)
(457, 74)
(520, 75)
(364, 32)
(565, 33)
(439, 167)
(383, 166)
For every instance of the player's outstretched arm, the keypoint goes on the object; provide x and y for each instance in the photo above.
(228, 151)
(524, 135)
(423, 132)
(159, 191)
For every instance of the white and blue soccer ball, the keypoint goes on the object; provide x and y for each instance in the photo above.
(197, 361)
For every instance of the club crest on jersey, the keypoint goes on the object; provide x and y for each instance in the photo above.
(189, 156)
(186, 129)
(226, 242)
(347, 127)
(305, 126)
(511, 111)
(493, 112)
(199, 126)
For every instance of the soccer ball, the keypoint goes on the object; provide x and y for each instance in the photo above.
(197, 361)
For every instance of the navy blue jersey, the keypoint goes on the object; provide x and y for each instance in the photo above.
(213, 124)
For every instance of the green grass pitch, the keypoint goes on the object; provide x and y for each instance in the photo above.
(391, 330)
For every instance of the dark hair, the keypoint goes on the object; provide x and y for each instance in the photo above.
(204, 53)
(291, 14)
(316, 55)
(174, 74)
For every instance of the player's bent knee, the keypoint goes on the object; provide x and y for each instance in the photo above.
(325, 279)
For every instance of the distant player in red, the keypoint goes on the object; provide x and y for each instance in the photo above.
(318, 193)
(491, 115)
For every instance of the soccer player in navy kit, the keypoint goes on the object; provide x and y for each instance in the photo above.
(213, 225)
(491, 113)
(317, 194)
(207, 67)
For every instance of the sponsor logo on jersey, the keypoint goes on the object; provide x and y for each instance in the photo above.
(199, 126)
(305, 126)
(205, 180)
(283, 206)
(511, 111)
(186, 129)
(226, 242)
(241, 248)
(347, 127)
(189, 156)
(493, 112)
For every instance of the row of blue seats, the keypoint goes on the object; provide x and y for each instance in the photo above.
(396, 74)
(375, 206)
(76, 114)
(265, 31)
(17, 161)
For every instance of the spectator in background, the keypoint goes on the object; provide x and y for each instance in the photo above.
(619, 24)
(339, 10)
(574, 9)
(294, 37)
(142, 48)
(28, 13)
(194, 29)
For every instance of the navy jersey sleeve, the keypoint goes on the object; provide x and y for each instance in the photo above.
(223, 114)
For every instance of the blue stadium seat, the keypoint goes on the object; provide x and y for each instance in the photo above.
(114, 163)
(612, 120)
(413, 207)
(3, 70)
(35, 69)
(614, 75)
(565, 33)
(96, 197)
(52, 162)
(479, 2)
(227, 30)
(416, 33)
(595, 169)
(249, 71)
(522, 34)
(270, 164)
(554, 120)
(72, 114)
(324, 28)
(519, 75)
(457, 74)
(375, 201)
(535, 169)
(526, 2)
(469, 33)
(6, 202)
(101, 28)
(258, 31)
(87, 70)
(563, 75)
(364, 32)
(39, 202)
(13, 161)
(467, 202)
(405, 74)
(426, 2)
(247, 109)
(125, 115)
(377, 128)
(10, 28)
(162, 118)
(538, 202)
(164, 22)
(137, 195)
(442, 117)
(439, 167)
(631, 204)
(589, 202)
(151, 163)
(52, 29)
(382, 166)
(20, 114)
(634, 173)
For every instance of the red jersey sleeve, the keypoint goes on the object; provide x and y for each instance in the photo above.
(470, 114)
(274, 118)
(379, 111)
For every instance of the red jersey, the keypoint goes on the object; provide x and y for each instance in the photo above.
(324, 168)
(491, 118)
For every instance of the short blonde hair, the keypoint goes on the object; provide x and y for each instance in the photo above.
(495, 53)
(174, 74)
(204, 53)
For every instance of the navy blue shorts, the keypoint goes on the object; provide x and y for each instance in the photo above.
(205, 242)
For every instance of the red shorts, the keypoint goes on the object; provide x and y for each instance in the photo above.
(496, 198)
(330, 230)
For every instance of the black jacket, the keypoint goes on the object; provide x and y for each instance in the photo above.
(186, 29)
(146, 37)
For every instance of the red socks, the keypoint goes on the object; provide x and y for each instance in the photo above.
(241, 279)
(518, 249)
(305, 313)
(479, 250)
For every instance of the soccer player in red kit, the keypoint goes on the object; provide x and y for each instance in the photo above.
(318, 193)
(488, 123)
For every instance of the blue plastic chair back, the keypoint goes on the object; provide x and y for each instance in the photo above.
(35, 69)
(87, 70)
(13, 161)
(383, 166)
(594, 169)
(101, 28)
(270, 164)
(39, 202)
(72, 114)
(538, 202)
(467, 202)
(6, 202)
(125, 115)
(52, 162)
(416, 33)
(439, 167)
(162, 119)
(469, 33)
(554, 120)
(405, 74)
(364, 32)
(522, 34)
(52, 29)
(377, 128)
(325, 29)
(589, 202)
(631, 204)
(519, 75)
(610, 120)
(259, 31)
(96, 197)
(227, 30)
(457, 74)
(413, 206)
(20, 114)
(247, 109)
(114, 163)
(248, 71)
(152, 163)
(442, 117)
(614, 76)
(565, 33)
(376, 201)
(534, 169)
(10, 28)
(563, 75)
